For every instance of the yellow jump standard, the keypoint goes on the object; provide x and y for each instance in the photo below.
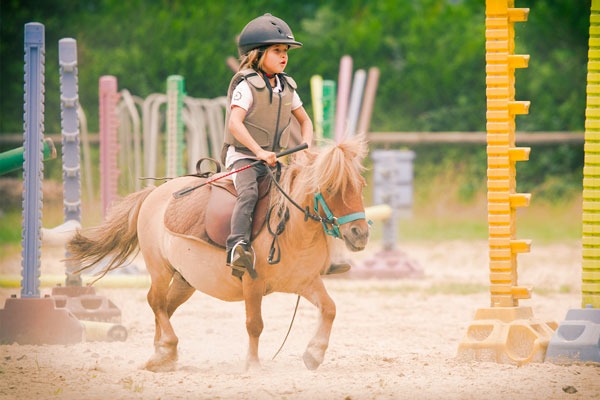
(505, 332)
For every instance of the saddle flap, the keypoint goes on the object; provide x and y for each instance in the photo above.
(220, 209)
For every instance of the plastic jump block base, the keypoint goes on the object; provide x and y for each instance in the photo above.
(577, 339)
(38, 321)
(85, 304)
(386, 264)
(507, 335)
(90, 307)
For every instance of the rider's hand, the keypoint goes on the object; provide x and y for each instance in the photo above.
(267, 156)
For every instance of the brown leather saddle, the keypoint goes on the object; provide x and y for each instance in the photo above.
(205, 213)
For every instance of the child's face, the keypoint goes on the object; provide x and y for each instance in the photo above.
(275, 59)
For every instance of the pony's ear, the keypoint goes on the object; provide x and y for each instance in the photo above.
(355, 147)
(305, 157)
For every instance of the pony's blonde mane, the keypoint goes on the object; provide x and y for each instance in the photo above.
(336, 168)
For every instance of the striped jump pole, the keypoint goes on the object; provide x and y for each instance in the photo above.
(12, 160)
(504, 332)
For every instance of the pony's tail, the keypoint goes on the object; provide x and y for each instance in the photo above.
(114, 240)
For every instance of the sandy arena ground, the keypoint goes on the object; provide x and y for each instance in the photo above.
(392, 339)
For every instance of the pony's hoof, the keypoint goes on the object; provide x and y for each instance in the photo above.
(165, 366)
(253, 365)
(310, 361)
(160, 363)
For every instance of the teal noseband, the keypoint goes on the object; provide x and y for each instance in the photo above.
(331, 224)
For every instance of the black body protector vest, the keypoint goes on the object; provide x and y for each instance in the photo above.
(269, 118)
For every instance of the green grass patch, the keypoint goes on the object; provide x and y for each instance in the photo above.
(10, 227)
(442, 228)
(543, 223)
(548, 223)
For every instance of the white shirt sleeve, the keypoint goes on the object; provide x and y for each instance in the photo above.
(296, 102)
(242, 96)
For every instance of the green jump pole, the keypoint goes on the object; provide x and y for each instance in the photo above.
(175, 142)
(12, 160)
(329, 107)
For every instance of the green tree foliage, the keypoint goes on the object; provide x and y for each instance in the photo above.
(556, 37)
(430, 54)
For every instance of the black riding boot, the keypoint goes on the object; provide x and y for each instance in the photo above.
(241, 259)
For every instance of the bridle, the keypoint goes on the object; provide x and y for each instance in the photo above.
(331, 224)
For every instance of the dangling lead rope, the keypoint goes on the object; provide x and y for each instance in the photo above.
(281, 226)
(289, 329)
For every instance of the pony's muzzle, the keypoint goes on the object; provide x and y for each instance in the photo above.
(355, 235)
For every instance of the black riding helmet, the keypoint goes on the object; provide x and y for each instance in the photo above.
(264, 31)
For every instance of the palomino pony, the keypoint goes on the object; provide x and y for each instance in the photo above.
(325, 185)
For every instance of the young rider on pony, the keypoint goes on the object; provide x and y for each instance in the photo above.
(262, 100)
